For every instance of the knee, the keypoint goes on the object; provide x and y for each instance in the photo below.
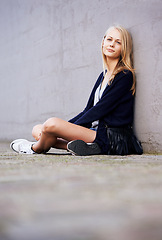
(50, 125)
(36, 131)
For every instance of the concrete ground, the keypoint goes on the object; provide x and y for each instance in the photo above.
(63, 197)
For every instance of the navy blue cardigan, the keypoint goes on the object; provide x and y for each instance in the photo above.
(115, 108)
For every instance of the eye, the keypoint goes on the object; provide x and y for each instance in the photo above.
(108, 39)
(118, 42)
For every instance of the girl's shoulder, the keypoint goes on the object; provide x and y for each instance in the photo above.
(124, 72)
(124, 77)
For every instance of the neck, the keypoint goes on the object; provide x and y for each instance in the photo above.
(111, 64)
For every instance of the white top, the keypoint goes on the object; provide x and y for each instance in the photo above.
(97, 97)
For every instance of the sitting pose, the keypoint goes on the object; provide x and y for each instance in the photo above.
(105, 125)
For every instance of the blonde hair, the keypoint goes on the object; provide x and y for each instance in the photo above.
(126, 58)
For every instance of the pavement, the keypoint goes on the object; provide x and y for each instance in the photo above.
(58, 196)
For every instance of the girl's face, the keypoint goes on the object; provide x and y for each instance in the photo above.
(112, 44)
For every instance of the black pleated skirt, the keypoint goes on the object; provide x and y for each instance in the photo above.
(123, 141)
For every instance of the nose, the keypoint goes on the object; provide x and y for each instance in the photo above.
(112, 44)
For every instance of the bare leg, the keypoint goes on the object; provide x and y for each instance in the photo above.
(54, 129)
(37, 131)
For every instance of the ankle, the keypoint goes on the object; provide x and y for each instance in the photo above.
(35, 149)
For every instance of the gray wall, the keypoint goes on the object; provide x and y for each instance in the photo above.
(50, 56)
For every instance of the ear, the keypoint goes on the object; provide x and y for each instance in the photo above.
(103, 40)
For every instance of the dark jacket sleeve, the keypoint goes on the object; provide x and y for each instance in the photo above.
(74, 119)
(112, 96)
(90, 100)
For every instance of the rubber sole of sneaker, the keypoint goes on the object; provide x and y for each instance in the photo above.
(80, 148)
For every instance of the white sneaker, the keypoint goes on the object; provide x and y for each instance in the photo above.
(17, 140)
(22, 146)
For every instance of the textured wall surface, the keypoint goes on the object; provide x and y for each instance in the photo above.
(50, 56)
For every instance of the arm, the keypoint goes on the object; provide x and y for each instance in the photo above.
(90, 100)
(113, 95)
(74, 119)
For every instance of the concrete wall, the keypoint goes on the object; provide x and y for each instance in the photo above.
(50, 55)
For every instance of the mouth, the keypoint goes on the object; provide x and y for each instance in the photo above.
(110, 50)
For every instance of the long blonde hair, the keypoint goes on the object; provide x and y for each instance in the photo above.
(126, 58)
